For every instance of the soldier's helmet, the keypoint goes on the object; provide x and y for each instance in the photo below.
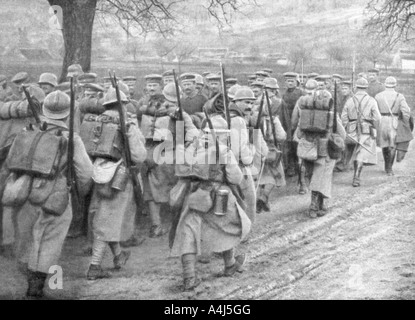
(123, 87)
(74, 70)
(56, 105)
(362, 83)
(111, 97)
(169, 92)
(391, 82)
(48, 78)
(244, 93)
(311, 85)
(232, 90)
(199, 79)
(271, 83)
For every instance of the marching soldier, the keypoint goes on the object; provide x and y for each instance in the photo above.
(359, 117)
(290, 97)
(251, 79)
(318, 165)
(347, 93)
(210, 224)
(393, 108)
(48, 228)
(200, 85)
(272, 174)
(375, 86)
(192, 102)
(257, 88)
(158, 124)
(214, 85)
(48, 82)
(114, 206)
(130, 81)
(168, 77)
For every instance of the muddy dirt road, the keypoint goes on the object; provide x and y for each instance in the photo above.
(363, 249)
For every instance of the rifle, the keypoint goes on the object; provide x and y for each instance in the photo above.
(225, 96)
(31, 105)
(261, 107)
(179, 104)
(335, 108)
(212, 131)
(274, 133)
(127, 152)
(76, 200)
(360, 144)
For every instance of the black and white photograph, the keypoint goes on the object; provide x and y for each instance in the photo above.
(228, 151)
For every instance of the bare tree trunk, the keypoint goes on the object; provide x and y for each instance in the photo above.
(77, 24)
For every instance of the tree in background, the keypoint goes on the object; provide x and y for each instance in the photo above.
(300, 52)
(144, 16)
(391, 20)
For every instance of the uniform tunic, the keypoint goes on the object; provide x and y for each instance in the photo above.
(193, 106)
(200, 233)
(375, 88)
(390, 104)
(114, 217)
(369, 115)
(47, 232)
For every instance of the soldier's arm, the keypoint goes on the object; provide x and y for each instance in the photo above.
(190, 129)
(344, 115)
(84, 168)
(234, 174)
(404, 108)
(296, 115)
(241, 147)
(375, 111)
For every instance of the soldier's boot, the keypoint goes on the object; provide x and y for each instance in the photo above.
(303, 183)
(314, 206)
(190, 281)
(121, 259)
(392, 155)
(95, 272)
(156, 229)
(233, 264)
(400, 155)
(36, 283)
(259, 206)
(387, 157)
(323, 206)
(357, 170)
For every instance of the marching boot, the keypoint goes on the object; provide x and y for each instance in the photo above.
(303, 185)
(190, 281)
(314, 206)
(233, 264)
(385, 152)
(356, 177)
(95, 272)
(36, 283)
(324, 209)
(121, 259)
(392, 154)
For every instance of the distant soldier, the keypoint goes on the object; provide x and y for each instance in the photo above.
(212, 218)
(318, 167)
(48, 82)
(261, 75)
(85, 78)
(251, 79)
(393, 108)
(74, 71)
(46, 222)
(21, 79)
(257, 88)
(362, 75)
(324, 82)
(154, 94)
(158, 124)
(168, 77)
(130, 81)
(200, 85)
(106, 82)
(192, 102)
(268, 71)
(271, 85)
(214, 84)
(114, 206)
(290, 97)
(375, 86)
(359, 117)
(6, 93)
(347, 93)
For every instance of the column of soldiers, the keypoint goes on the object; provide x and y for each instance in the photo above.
(256, 136)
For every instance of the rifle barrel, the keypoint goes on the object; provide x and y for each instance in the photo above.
(31, 106)
(179, 104)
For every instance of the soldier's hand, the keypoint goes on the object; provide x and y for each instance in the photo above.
(175, 115)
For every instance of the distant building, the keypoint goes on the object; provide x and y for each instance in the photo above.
(405, 59)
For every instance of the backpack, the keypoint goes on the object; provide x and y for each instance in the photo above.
(102, 137)
(315, 113)
(37, 152)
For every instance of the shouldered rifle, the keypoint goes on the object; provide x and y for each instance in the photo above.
(335, 108)
(225, 96)
(31, 105)
(127, 152)
(76, 200)
(260, 111)
(179, 104)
